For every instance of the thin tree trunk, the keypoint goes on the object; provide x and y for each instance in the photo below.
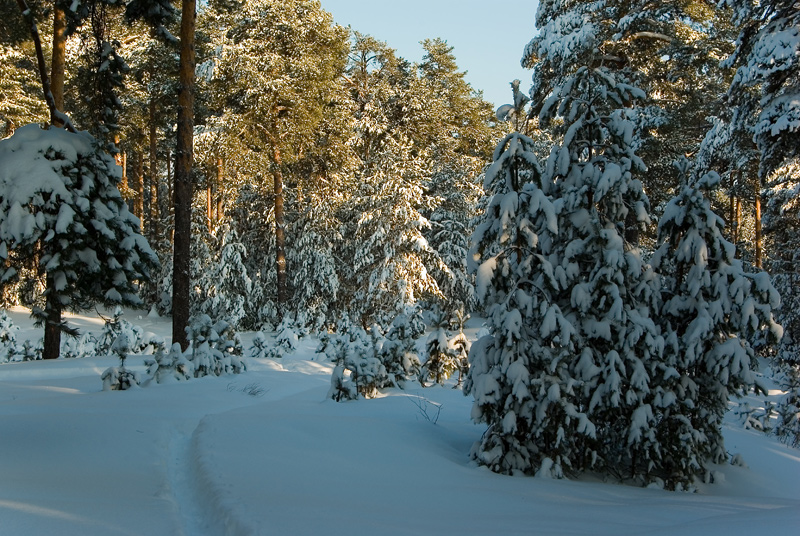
(183, 178)
(280, 233)
(59, 58)
(758, 224)
(154, 212)
(124, 183)
(138, 184)
(220, 175)
(209, 206)
(52, 325)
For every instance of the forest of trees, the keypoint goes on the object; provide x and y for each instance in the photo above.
(628, 224)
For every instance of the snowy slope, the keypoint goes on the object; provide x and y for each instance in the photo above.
(266, 453)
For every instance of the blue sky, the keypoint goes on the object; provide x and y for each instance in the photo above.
(488, 36)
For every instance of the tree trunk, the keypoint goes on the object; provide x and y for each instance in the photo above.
(59, 58)
(220, 175)
(758, 223)
(280, 233)
(124, 183)
(154, 212)
(209, 207)
(138, 185)
(183, 178)
(52, 325)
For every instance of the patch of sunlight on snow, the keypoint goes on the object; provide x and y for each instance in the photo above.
(785, 454)
(41, 511)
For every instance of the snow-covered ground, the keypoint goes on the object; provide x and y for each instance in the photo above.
(265, 453)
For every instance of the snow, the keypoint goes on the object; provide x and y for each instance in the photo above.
(264, 452)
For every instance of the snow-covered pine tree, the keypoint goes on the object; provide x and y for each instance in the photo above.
(520, 374)
(215, 348)
(586, 94)
(393, 264)
(710, 312)
(398, 353)
(359, 370)
(62, 211)
(765, 97)
(229, 285)
(169, 366)
(8, 338)
(441, 358)
(120, 378)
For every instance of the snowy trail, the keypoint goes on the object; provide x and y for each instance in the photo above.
(182, 484)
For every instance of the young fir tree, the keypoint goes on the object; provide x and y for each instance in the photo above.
(711, 309)
(586, 95)
(228, 283)
(61, 209)
(393, 264)
(519, 373)
(764, 97)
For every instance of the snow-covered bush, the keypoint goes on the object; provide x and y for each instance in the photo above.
(168, 366)
(84, 345)
(359, 370)
(8, 338)
(261, 346)
(215, 347)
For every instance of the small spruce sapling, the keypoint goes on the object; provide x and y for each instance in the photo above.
(169, 366)
(120, 378)
(216, 349)
(442, 357)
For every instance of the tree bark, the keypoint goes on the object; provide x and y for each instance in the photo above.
(59, 59)
(758, 224)
(218, 186)
(52, 325)
(280, 233)
(154, 212)
(183, 178)
(138, 185)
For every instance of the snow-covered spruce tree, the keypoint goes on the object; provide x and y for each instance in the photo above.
(399, 351)
(114, 327)
(586, 95)
(169, 366)
(228, 285)
(711, 310)
(359, 370)
(120, 378)
(8, 338)
(215, 348)
(61, 211)
(441, 358)
(520, 374)
(393, 264)
(765, 95)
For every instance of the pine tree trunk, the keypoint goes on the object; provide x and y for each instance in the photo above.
(138, 185)
(182, 193)
(123, 185)
(59, 58)
(209, 207)
(52, 326)
(280, 233)
(758, 224)
(154, 212)
(220, 175)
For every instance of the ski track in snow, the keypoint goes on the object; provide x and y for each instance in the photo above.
(181, 477)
